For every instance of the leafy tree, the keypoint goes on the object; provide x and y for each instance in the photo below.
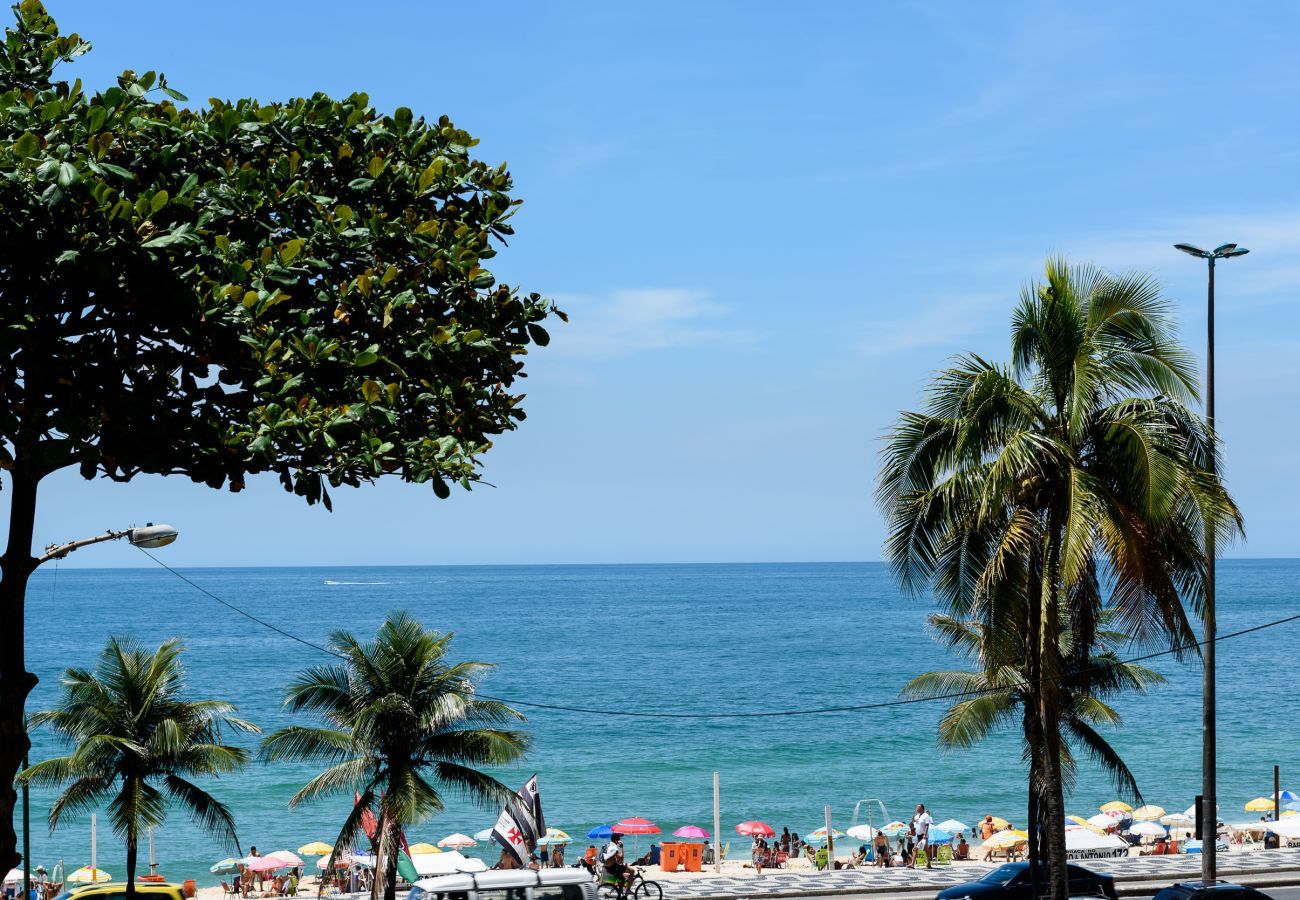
(997, 692)
(1032, 497)
(297, 288)
(138, 744)
(400, 721)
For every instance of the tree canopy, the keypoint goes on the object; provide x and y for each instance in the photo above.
(298, 287)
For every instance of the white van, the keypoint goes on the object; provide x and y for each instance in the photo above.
(508, 884)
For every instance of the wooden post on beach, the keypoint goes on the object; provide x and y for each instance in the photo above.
(717, 827)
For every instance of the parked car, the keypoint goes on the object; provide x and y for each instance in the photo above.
(1219, 890)
(508, 884)
(113, 889)
(1012, 882)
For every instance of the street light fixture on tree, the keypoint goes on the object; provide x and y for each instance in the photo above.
(1209, 800)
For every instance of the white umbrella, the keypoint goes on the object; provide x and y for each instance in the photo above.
(14, 876)
(952, 826)
(1177, 820)
(862, 832)
(1288, 828)
(484, 835)
(1102, 821)
(1148, 829)
(1191, 812)
(457, 841)
(1078, 839)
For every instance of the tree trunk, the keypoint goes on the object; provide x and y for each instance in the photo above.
(16, 683)
(1049, 692)
(393, 835)
(132, 850)
(1034, 850)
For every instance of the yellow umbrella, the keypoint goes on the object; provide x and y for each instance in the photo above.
(1259, 804)
(1006, 839)
(1084, 823)
(1116, 806)
(87, 875)
(424, 848)
(1148, 813)
(315, 848)
(1290, 812)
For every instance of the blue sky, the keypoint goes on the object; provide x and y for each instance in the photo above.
(769, 223)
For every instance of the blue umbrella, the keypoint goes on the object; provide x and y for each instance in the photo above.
(1294, 805)
(1290, 797)
(227, 866)
(939, 836)
(600, 833)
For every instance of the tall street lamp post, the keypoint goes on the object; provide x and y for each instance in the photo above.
(148, 537)
(1209, 800)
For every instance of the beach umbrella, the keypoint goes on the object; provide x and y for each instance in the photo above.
(1116, 806)
(1289, 797)
(1102, 821)
(952, 825)
(424, 848)
(289, 858)
(1177, 820)
(1000, 823)
(1084, 823)
(484, 835)
(1294, 806)
(1260, 804)
(600, 833)
(266, 863)
(1289, 812)
(939, 836)
(316, 848)
(1148, 829)
(1006, 838)
(457, 841)
(1190, 812)
(862, 832)
(635, 825)
(1148, 813)
(818, 836)
(691, 831)
(554, 836)
(227, 866)
(755, 829)
(894, 829)
(88, 875)
(14, 876)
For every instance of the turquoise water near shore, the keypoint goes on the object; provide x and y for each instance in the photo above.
(689, 638)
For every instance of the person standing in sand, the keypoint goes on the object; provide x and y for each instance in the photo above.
(922, 822)
(757, 851)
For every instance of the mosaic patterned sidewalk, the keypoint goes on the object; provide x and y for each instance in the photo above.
(886, 880)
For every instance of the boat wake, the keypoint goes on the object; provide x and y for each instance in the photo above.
(330, 582)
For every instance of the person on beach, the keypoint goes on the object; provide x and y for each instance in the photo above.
(962, 849)
(757, 851)
(922, 822)
(612, 860)
(557, 856)
(987, 828)
(880, 846)
(785, 841)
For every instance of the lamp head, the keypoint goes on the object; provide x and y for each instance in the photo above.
(152, 536)
(1192, 250)
(1222, 249)
(1236, 251)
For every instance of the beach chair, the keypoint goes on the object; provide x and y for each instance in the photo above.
(943, 855)
(229, 891)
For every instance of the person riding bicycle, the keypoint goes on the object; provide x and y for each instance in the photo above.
(612, 860)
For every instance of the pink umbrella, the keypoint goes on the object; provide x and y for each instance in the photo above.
(691, 831)
(288, 857)
(266, 863)
(635, 825)
(756, 829)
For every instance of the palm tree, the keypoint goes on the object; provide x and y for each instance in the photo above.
(139, 743)
(1033, 496)
(995, 694)
(400, 720)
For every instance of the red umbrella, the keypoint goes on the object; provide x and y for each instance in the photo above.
(635, 825)
(756, 829)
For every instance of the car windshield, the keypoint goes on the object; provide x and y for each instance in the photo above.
(1003, 874)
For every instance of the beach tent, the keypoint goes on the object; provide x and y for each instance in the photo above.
(1287, 828)
(1082, 842)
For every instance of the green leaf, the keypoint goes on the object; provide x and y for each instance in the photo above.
(367, 357)
(68, 175)
(158, 201)
(118, 171)
(372, 391)
(175, 94)
(28, 145)
(538, 334)
(289, 252)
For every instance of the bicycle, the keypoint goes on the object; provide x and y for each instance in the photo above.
(611, 888)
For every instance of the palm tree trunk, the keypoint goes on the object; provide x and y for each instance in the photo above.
(392, 848)
(1049, 692)
(132, 848)
(16, 566)
(1034, 849)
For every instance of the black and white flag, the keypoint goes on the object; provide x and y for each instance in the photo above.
(521, 825)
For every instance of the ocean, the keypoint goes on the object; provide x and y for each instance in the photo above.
(679, 638)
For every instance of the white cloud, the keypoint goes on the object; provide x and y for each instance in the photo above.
(938, 324)
(625, 322)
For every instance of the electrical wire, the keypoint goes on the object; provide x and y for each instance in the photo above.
(753, 714)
